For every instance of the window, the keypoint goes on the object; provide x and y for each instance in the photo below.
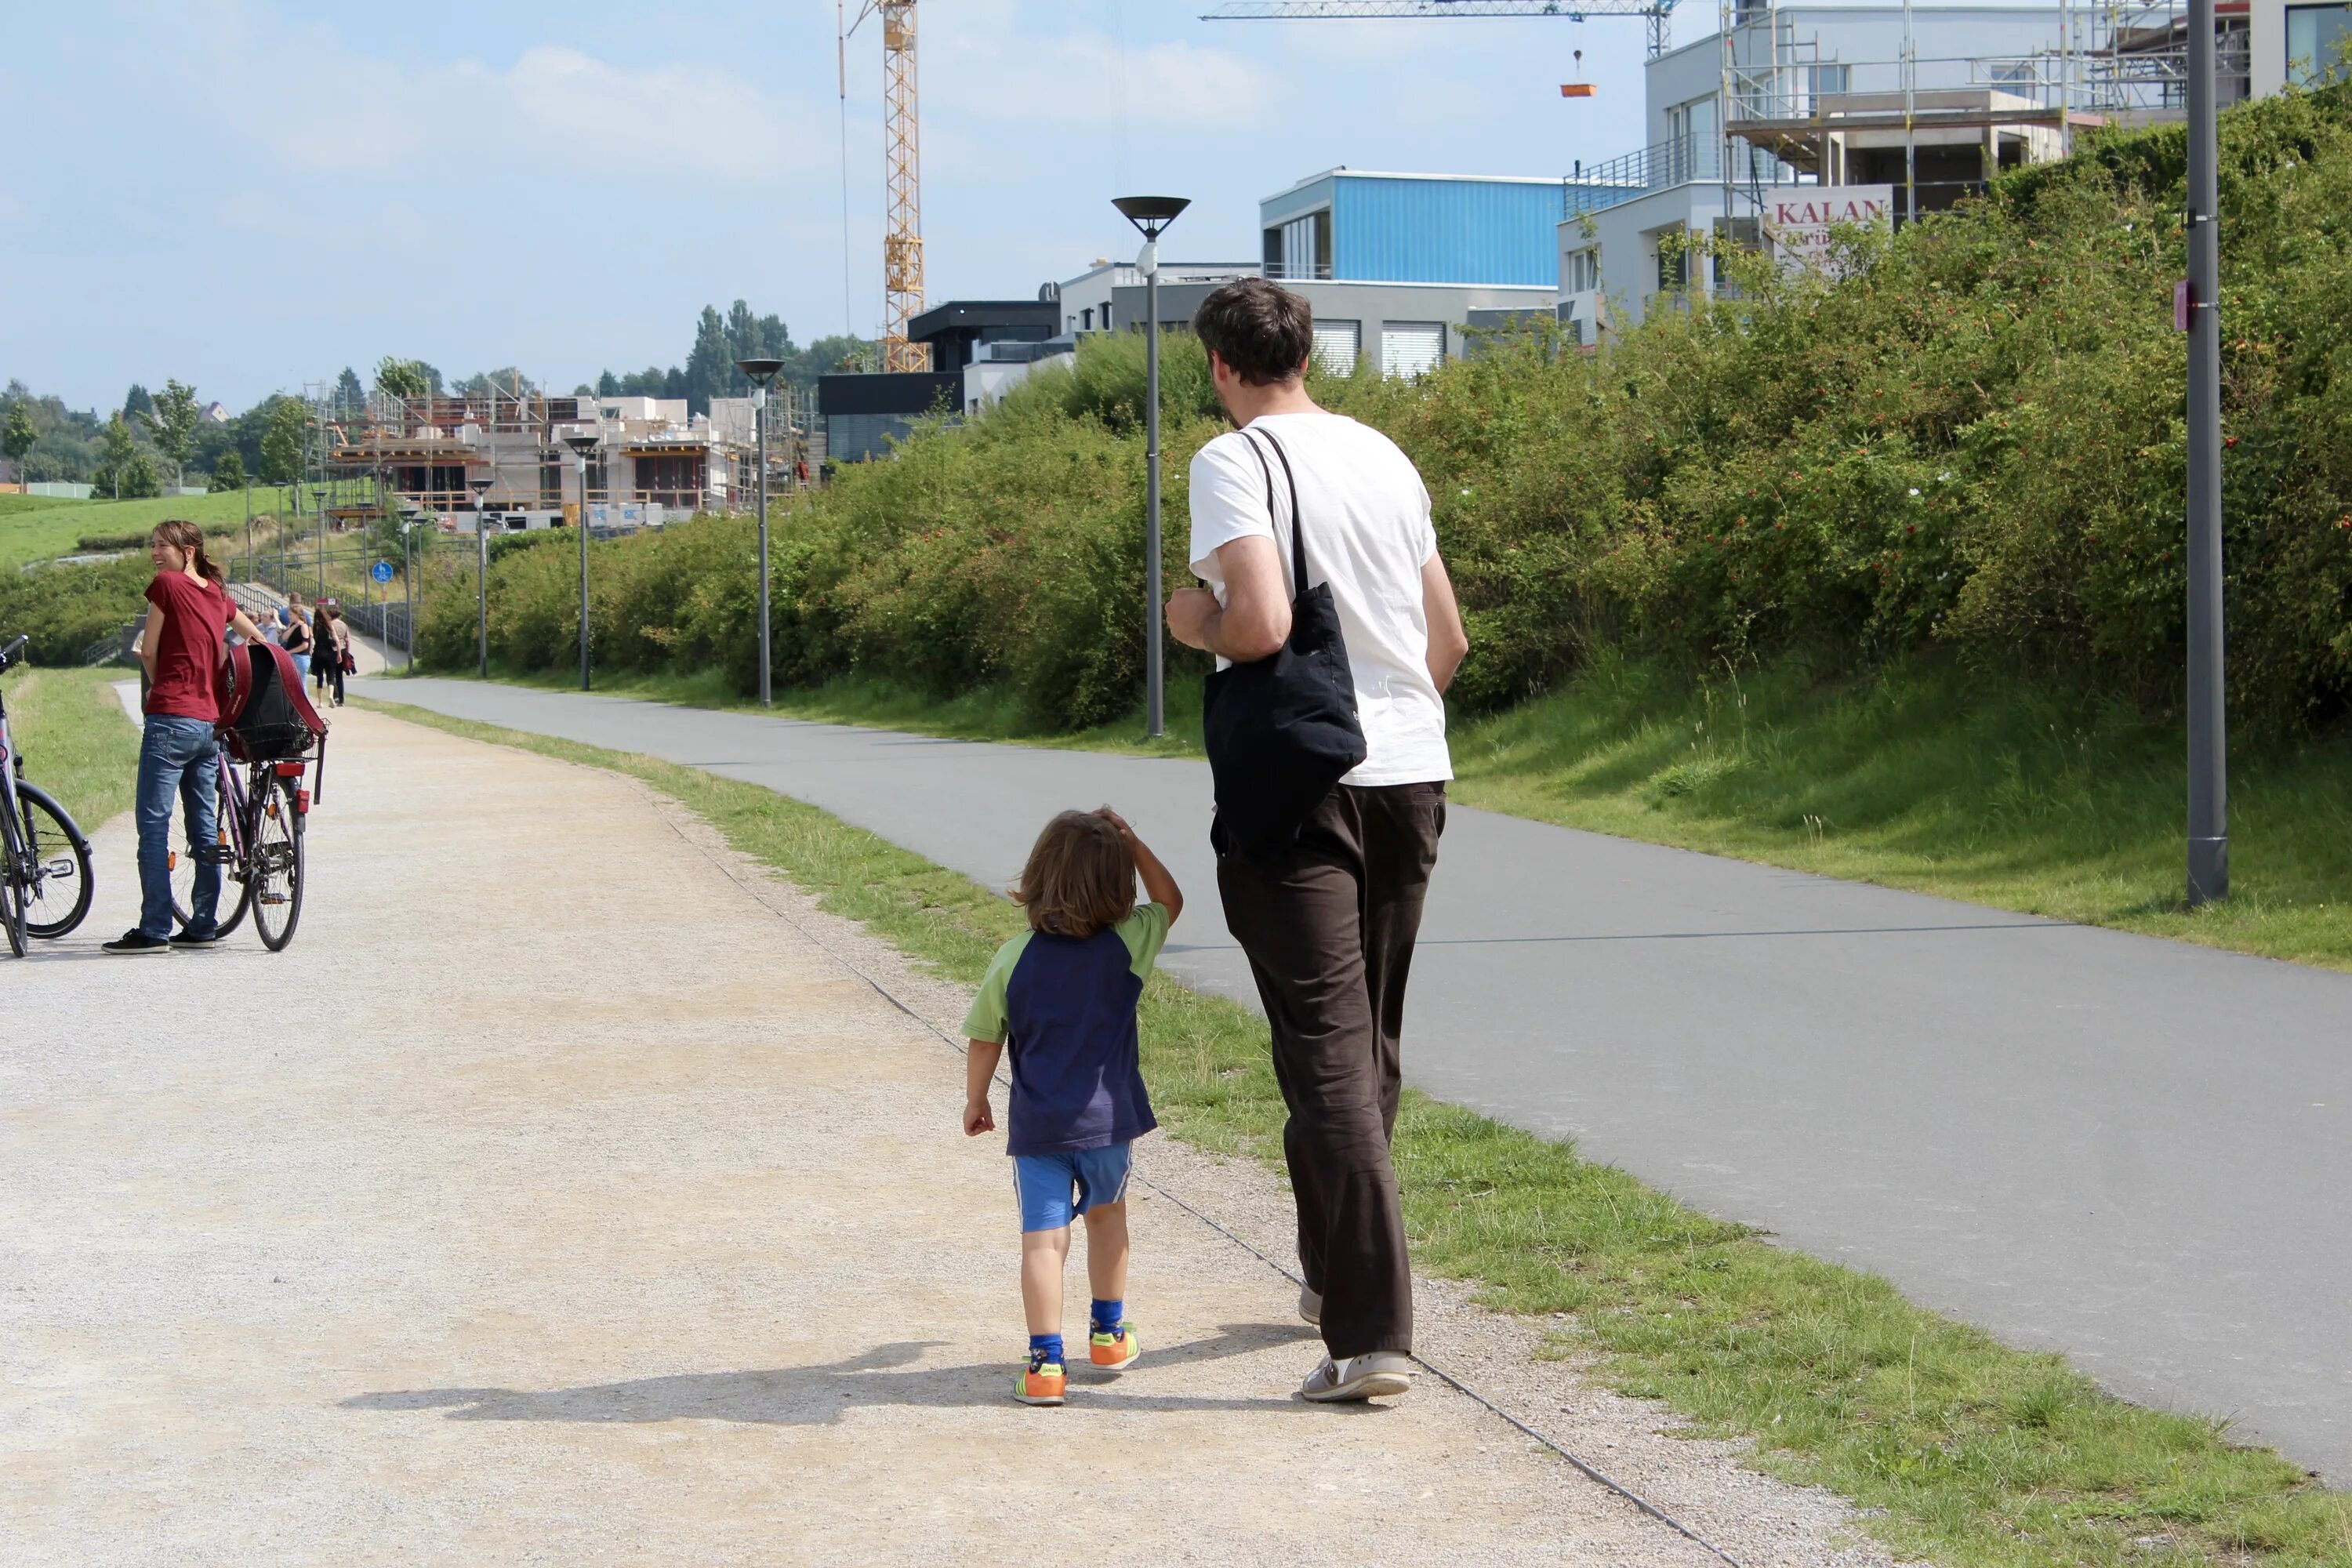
(2315, 38)
(1336, 343)
(1306, 246)
(1583, 273)
(1090, 318)
(1106, 315)
(1409, 350)
(1827, 79)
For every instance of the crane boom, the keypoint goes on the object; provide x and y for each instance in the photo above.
(1654, 11)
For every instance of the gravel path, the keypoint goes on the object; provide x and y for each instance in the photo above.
(567, 1193)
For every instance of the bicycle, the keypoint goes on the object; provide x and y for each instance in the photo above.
(262, 819)
(42, 894)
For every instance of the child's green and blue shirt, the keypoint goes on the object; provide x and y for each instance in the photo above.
(1065, 1009)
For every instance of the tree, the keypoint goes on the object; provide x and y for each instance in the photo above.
(172, 417)
(136, 404)
(350, 395)
(403, 378)
(18, 437)
(124, 470)
(283, 440)
(229, 474)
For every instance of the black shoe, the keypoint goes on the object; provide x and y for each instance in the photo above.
(136, 941)
(191, 937)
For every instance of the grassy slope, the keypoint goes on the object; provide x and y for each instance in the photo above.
(37, 532)
(1969, 1452)
(78, 743)
(1914, 778)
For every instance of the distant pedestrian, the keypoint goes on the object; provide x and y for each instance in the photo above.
(189, 613)
(294, 636)
(323, 642)
(1062, 997)
(1327, 920)
(337, 647)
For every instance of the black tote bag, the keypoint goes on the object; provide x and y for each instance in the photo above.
(1281, 730)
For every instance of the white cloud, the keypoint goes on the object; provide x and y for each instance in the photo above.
(316, 105)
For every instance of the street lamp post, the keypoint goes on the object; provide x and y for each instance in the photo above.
(1151, 215)
(409, 512)
(583, 444)
(2209, 831)
(319, 493)
(762, 372)
(480, 485)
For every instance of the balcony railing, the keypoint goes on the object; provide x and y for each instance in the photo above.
(1283, 272)
(1680, 161)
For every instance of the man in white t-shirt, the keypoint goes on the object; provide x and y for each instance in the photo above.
(1329, 924)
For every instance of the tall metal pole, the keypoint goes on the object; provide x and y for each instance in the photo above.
(583, 571)
(760, 409)
(408, 590)
(481, 589)
(2209, 832)
(1155, 718)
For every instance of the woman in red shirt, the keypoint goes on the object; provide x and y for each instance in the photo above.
(188, 613)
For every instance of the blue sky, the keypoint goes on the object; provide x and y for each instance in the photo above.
(252, 193)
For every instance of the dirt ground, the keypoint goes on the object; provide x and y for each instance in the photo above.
(567, 1193)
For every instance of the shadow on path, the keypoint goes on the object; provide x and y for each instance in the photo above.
(816, 1396)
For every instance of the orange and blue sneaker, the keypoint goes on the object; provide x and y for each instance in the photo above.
(1040, 1382)
(1115, 1351)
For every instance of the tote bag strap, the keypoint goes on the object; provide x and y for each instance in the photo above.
(1298, 520)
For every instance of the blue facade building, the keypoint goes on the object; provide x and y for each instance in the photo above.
(1400, 268)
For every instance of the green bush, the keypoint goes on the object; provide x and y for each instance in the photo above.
(65, 609)
(1972, 441)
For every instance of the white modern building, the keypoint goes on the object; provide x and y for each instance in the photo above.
(1895, 110)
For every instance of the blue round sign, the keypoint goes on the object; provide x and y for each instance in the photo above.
(381, 571)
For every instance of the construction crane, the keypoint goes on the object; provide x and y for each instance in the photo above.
(1654, 12)
(902, 237)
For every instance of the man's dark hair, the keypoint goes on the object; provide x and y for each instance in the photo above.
(1262, 331)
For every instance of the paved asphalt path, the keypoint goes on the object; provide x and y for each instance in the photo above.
(2129, 1150)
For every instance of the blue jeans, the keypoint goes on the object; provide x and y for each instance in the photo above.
(175, 758)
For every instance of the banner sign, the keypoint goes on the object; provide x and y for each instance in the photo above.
(1798, 218)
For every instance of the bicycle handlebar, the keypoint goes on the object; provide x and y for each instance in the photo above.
(8, 652)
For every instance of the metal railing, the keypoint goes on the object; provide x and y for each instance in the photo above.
(114, 648)
(1679, 162)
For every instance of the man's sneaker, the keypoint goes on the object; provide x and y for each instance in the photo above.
(1375, 1375)
(1311, 1306)
(189, 936)
(1040, 1385)
(1115, 1352)
(136, 941)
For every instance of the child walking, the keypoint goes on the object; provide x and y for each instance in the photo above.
(1063, 996)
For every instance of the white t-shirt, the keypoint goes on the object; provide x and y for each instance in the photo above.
(1369, 535)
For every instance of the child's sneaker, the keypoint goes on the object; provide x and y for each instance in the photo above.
(1115, 1352)
(1041, 1384)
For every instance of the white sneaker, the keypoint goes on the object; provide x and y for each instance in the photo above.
(1375, 1375)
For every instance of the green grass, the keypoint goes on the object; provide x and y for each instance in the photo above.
(77, 743)
(37, 532)
(1962, 1450)
(1919, 777)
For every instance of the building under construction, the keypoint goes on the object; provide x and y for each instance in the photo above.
(504, 455)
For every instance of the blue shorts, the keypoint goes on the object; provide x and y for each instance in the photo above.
(1053, 1187)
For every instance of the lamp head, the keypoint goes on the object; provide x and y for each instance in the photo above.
(1151, 214)
(480, 484)
(760, 371)
(582, 443)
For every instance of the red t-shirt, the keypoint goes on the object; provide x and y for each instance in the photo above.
(188, 649)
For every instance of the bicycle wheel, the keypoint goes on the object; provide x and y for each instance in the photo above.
(184, 868)
(61, 862)
(275, 880)
(12, 876)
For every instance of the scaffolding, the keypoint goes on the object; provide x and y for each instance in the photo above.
(1795, 114)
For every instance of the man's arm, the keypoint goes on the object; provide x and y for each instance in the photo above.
(1255, 621)
(1447, 641)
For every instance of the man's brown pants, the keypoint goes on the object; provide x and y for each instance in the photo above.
(1329, 928)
